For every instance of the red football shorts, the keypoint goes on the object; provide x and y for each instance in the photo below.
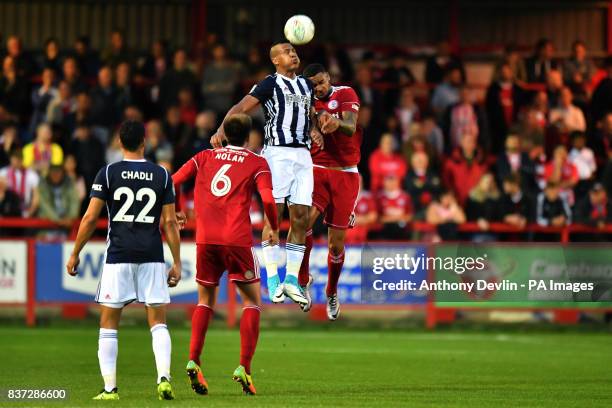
(334, 195)
(213, 260)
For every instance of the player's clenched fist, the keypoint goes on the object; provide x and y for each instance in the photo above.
(174, 275)
(181, 218)
(327, 123)
(72, 264)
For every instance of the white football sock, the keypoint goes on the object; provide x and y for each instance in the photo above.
(107, 356)
(162, 348)
(271, 253)
(295, 255)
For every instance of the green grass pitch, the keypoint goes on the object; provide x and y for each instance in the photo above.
(335, 367)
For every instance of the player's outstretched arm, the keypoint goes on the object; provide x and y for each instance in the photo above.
(346, 125)
(246, 104)
(171, 229)
(86, 229)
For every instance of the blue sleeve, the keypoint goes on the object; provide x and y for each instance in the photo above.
(264, 90)
(99, 188)
(169, 196)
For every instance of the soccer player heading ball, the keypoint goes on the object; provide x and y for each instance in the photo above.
(287, 101)
(336, 179)
(225, 180)
(138, 195)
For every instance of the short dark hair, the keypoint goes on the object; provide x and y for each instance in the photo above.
(312, 70)
(237, 128)
(513, 178)
(132, 134)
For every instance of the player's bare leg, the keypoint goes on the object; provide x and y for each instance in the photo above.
(271, 255)
(249, 333)
(304, 277)
(207, 298)
(298, 219)
(108, 350)
(335, 261)
(162, 348)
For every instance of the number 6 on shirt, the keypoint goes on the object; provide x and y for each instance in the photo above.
(221, 177)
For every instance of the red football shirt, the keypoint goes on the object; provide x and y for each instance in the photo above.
(340, 150)
(394, 203)
(226, 179)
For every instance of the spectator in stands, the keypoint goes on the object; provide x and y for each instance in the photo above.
(365, 214)
(578, 68)
(432, 133)
(516, 205)
(9, 201)
(219, 82)
(447, 93)
(536, 116)
(14, 91)
(464, 118)
(552, 209)
(502, 102)
(337, 61)
(125, 94)
(176, 78)
(395, 209)
(483, 206)
(583, 158)
(370, 140)
(464, 168)
(385, 161)
(23, 63)
(601, 100)
(563, 173)
(72, 76)
(9, 140)
(256, 69)
(87, 150)
(398, 76)
(513, 59)
(594, 209)
(80, 116)
(23, 182)
(440, 63)
(422, 183)
(103, 97)
(114, 152)
(155, 64)
(407, 113)
(554, 85)
(86, 59)
(445, 213)
(51, 57)
(187, 107)
(42, 152)
(515, 161)
(567, 116)
(62, 105)
(367, 94)
(59, 200)
(118, 51)
(542, 62)
(157, 147)
(205, 127)
(41, 99)
(71, 169)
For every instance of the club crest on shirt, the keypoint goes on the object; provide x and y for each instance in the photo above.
(333, 104)
(249, 274)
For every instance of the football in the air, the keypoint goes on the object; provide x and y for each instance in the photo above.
(299, 29)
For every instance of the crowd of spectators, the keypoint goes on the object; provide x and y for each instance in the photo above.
(536, 147)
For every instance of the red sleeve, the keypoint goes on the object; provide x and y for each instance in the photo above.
(263, 179)
(186, 172)
(349, 101)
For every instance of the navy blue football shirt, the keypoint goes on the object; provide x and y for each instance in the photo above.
(135, 192)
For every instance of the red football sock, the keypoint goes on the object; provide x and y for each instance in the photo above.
(334, 267)
(249, 333)
(199, 325)
(304, 274)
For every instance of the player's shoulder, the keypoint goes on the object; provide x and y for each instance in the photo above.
(269, 80)
(343, 91)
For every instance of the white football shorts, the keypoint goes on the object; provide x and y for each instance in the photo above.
(292, 177)
(124, 283)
